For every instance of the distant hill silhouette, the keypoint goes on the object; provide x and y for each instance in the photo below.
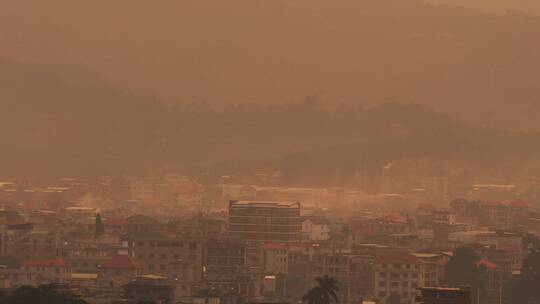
(481, 67)
(59, 120)
(499, 6)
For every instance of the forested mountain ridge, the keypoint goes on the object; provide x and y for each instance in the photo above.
(477, 66)
(59, 120)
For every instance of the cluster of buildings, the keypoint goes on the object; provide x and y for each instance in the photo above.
(264, 245)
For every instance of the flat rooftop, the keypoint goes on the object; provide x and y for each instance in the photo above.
(263, 204)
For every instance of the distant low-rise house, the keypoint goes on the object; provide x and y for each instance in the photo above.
(14, 277)
(496, 275)
(49, 271)
(118, 269)
(499, 240)
(444, 217)
(188, 194)
(315, 229)
(500, 214)
(115, 226)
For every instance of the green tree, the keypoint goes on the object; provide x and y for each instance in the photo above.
(463, 269)
(100, 229)
(525, 289)
(530, 241)
(324, 293)
(43, 295)
(3, 297)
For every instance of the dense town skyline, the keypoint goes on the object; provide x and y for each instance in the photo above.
(270, 152)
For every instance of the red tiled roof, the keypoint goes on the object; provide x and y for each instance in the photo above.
(54, 262)
(395, 217)
(14, 222)
(122, 262)
(303, 245)
(274, 246)
(501, 203)
(398, 259)
(115, 222)
(518, 203)
(441, 262)
(488, 264)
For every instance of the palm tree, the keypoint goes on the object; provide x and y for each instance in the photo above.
(324, 293)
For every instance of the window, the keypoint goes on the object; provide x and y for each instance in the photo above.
(382, 294)
(382, 284)
(394, 284)
(140, 244)
(192, 257)
(163, 256)
(151, 256)
(192, 246)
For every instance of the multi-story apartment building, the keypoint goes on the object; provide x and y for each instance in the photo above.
(353, 273)
(85, 255)
(434, 266)
(397, 275)
(264, 221)
(224, 256)
(276, 258)
(158, 252)
(226, 270)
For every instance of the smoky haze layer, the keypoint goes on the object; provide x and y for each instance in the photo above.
(474, 65)
(59, 120)
(497, 6)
